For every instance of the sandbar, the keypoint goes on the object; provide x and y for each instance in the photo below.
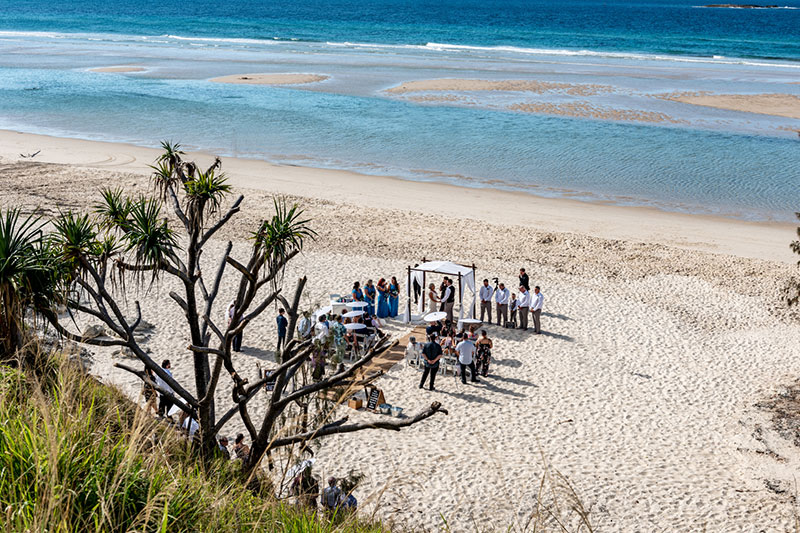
(529, 86)
(779, 105)
(118, 69)
(271, 79)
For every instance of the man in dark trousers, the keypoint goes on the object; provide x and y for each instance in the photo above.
(523, 279)
(431, 353)
(283, 326)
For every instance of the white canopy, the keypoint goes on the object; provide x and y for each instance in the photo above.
(466, 274)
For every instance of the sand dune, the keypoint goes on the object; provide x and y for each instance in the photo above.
(271, 79)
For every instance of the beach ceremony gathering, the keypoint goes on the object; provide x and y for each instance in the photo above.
(394, 266)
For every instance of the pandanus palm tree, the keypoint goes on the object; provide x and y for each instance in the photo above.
(27, 275)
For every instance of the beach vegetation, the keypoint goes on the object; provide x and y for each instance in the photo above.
(126, 239)
(793, 289)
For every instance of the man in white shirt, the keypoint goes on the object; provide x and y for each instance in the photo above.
(321, 330)
(524, 306)
(536, 309)
(466, 358)
(166, 402)
(413, 352)
(501, 297)
(486, 293)
(304, 327)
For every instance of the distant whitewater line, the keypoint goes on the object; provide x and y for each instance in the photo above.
(429, 47)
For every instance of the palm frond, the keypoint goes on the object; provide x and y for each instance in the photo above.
(205, 192)
(149, 236)
(113, 210)
(75, 237)
(283, 234)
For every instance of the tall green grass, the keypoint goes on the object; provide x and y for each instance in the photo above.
(77, 456)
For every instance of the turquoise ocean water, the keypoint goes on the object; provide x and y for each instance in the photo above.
(702, 160)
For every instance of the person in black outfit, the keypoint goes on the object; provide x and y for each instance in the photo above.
(523, 279)
(431, 352)
(283, 325)
(434, 329)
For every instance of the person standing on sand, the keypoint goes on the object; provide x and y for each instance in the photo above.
(369, 297)
(501, 297)
(304, 326)
(383, 298)
(331, 496)
(486, 294)
(149, 392)
(241, 449)
(166, 402)
(357, 293)
(537, 300)
(237, 339)
(484, 353)
(449, 299)
(433, 299)
(417, 287)
(283, 325)
(466, 354)
(523, 279)
(223, 448)
(431, 353)
(394, 297)
(513, 306)
(524, 306)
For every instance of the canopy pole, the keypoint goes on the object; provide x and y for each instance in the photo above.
(475, 283)
(460, 293)
(408, 294)
(423, 292)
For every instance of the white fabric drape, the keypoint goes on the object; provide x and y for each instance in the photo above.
(467, 283)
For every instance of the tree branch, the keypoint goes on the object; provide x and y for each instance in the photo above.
(221, 222)
(335, 429)
(143, 376)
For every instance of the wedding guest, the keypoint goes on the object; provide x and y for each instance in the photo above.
(306, 489)
(523, 279)
(394, 297)
(483, 353)
(449, 298)
(149, 392)
(330, 497)
(537, 300)
(413, 351)
(237, 339)
(369, 297)
(431, 353)
(486, 294)
(321, 330)
(513, 306)
(472, 334)
(223, 448)
(339, 342)
(283, 325)
(377, 325)
(501, 298)
(466, 352)
(433, 299)
(166, 402)
(434, 328)
(304, 326)
(357, 293)
(524, 306)
(383, 298)
(241, 449)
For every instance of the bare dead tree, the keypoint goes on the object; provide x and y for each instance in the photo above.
(129, 240)
(793, 290)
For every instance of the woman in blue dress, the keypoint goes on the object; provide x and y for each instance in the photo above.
(357, 294)
(369, 297)
(383, 299)
(394, 297)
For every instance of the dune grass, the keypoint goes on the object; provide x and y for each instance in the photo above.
(76, 455)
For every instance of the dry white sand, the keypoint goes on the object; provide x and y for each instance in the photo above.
(641, 389)
(271, 79)
(119, 69)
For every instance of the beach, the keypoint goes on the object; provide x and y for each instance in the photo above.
(661, 333)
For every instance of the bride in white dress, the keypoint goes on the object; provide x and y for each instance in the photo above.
(433, 299)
